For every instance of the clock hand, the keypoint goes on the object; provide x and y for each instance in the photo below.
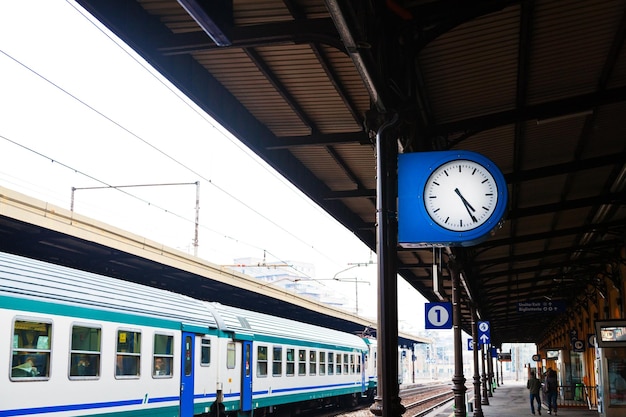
(467, 205)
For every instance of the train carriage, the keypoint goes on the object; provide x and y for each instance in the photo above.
(77, 343)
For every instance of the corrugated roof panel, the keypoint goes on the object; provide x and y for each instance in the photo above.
(234, 69)
(495, 144)
(299, 71)
(251, 12)
(541, 191)
(472, 69)
(541, 147)
(608, 135)
(561, 31)
(316, 158)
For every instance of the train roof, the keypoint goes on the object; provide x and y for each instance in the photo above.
(42, 281)
(273, 328)
(37, 280)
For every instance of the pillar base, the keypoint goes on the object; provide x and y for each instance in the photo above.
(397, 408)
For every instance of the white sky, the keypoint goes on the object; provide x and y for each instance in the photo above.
(79, 109)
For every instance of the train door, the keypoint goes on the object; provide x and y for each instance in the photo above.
(246, 377)
(186, 383)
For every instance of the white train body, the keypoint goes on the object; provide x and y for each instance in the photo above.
(75, 343)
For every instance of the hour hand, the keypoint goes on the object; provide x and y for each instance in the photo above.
(467, 205)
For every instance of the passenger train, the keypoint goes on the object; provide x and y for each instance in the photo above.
(76, 343)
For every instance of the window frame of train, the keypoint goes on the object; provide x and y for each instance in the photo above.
(312, 362)
(205, 351)
(346, 364)
(40, 354)
(338, 363)
(128, 359)
(322, 370)
(163, 349)
(231, 355)
(301, 362)
(261, 361)
(277, 361)
(290, 358)
(85, 352)
(331, 363)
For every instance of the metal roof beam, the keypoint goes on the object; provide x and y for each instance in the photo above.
(321, 31)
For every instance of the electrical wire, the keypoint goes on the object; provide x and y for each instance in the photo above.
(163, 153)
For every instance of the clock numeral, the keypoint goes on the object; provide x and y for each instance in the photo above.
(447, 218)
(435, 182)
(435, 211)
(484, 181)
(485, 208)
(474, 171)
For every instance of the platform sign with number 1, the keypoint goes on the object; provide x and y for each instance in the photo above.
(438, 315)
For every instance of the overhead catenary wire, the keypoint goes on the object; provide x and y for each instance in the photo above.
(165, 154)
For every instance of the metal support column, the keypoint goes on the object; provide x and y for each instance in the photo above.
(458, 380)
(490, 370)
(478, 410)
(485, 396)
(387, 401)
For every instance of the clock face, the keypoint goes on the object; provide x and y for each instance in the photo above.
(460, 195)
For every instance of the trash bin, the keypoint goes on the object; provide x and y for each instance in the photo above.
(578, 392)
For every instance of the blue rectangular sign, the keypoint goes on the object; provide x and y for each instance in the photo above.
(557, 306)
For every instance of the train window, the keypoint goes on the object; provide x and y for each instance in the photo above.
(291, 362)
(322, 363)
(301, 362)
(128, 353)
(205, 352)
(346, 364)
(163, 355)
(85, 352)
(231, 359)
(338, 363)
(277, 361)
(358, 364)
(352, 364)
(261, 361)
(312, 362)
(331, 366)
(31, 349)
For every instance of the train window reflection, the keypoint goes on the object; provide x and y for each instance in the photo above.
(128, 353)
(85, 352)
(205, 352)
(31, 349)
(291, 362)
(163, 355)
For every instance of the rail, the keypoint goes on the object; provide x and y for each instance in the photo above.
(577, 396)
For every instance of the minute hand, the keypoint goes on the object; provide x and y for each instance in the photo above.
(467, 205)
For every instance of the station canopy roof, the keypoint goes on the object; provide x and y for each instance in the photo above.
(537, 86)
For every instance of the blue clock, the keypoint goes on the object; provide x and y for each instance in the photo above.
(448, 198)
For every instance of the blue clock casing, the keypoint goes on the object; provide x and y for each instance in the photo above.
(418, 228)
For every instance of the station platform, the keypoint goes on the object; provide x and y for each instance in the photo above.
(512, 400)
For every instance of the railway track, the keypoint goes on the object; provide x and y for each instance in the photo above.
(418, 401)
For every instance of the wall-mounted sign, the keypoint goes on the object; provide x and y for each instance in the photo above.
(449, 198)
(554, 306)
(438, 315)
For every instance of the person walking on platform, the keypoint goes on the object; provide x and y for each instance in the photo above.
(551, 390)
(534, 385)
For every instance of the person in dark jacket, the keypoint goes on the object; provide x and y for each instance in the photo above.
(534, 385)
(552, 390)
